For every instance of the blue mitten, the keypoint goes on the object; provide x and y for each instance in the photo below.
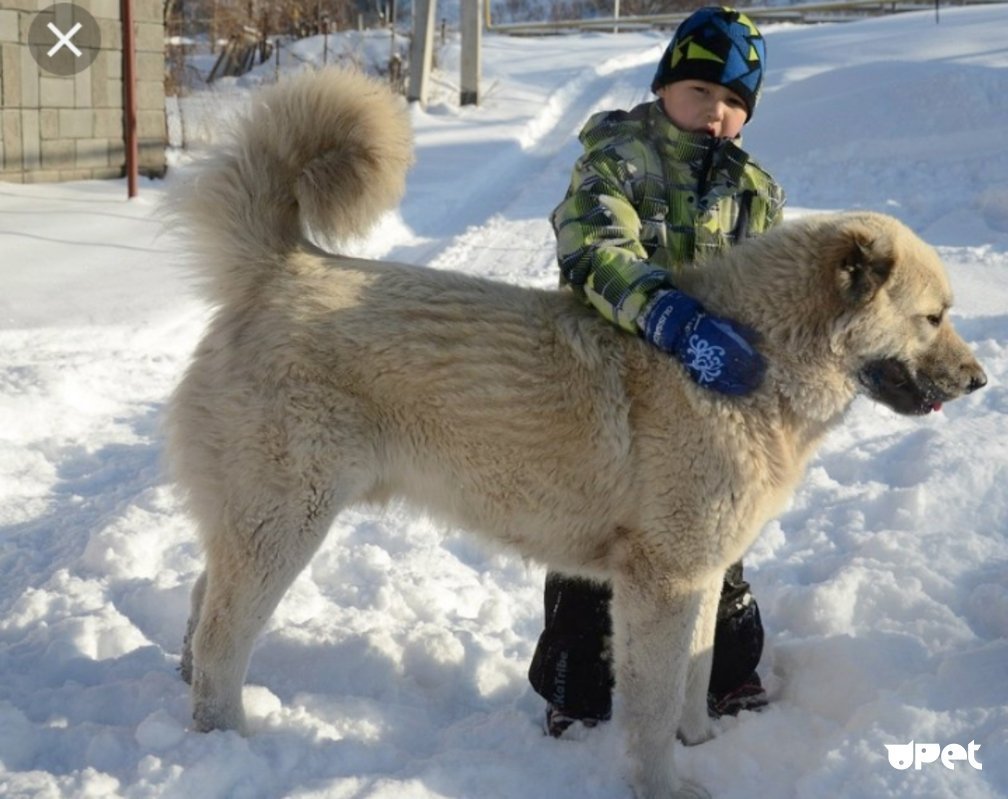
(717, 353)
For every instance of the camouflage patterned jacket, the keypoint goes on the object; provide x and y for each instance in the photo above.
(645, 198)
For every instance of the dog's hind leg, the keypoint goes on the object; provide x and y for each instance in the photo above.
(653, 623)
(195, 603)
(245, 579)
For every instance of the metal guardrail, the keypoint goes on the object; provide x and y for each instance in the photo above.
(802, 12)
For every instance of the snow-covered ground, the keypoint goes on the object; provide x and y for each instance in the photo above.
(395, 666)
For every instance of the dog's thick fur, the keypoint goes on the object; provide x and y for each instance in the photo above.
(518, 414)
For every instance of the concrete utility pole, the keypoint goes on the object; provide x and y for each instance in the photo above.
(472, 30)
(421, 51)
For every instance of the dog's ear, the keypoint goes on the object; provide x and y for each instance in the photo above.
(865, 265)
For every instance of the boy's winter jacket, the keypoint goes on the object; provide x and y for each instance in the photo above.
(646, 197)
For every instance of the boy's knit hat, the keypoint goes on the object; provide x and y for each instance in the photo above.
(719, 45)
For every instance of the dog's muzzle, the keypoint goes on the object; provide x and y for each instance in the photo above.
(891, 382)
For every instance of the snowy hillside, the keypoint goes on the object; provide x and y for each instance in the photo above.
(394, 669)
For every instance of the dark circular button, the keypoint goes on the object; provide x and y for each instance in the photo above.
(64, 39)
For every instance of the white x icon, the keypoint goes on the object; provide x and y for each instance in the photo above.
(64, 40)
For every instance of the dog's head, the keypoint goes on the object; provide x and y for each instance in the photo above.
(893, 330)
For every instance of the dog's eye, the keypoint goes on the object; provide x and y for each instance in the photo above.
(934, 319)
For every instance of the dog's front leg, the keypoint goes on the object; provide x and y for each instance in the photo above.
(653, 625)
(695, 725)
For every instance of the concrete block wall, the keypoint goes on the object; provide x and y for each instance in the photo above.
(56, 128)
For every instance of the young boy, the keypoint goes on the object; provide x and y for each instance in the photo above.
(664, 184)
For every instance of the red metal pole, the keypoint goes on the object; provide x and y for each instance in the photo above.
(129, 96)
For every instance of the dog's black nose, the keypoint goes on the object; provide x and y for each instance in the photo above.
(978, 380)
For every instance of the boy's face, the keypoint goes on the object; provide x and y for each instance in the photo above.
(698, 106)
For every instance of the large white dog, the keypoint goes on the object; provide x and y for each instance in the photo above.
(517, 414)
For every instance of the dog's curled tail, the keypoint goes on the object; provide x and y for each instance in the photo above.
(328, 150)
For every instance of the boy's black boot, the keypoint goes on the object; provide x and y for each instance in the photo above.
(749, 695)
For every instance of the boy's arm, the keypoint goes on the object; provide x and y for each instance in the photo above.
(601, 256)
(772, 198)
(598, 241)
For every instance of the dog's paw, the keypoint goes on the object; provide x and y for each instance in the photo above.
(671, 787)
(690, 790)
(212, 722)
(698, 733)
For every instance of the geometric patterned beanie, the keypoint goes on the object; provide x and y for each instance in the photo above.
(719, 45)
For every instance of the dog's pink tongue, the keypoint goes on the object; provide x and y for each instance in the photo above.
(936, 406)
